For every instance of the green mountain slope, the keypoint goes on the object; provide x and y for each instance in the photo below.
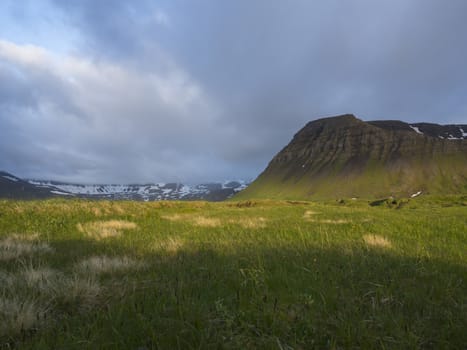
(346, 157)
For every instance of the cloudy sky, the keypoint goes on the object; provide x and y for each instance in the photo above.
(192, 91)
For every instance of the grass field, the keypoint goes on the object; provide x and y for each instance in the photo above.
(78, 274)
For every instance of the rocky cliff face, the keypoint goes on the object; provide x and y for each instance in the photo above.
(344, 156)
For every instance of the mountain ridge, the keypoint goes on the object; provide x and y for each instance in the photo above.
(344, 156)
(15, 188)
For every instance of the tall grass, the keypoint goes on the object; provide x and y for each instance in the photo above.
(249, 275)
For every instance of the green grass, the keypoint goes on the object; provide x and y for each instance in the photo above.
(235, 275)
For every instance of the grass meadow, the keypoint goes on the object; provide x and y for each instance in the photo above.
(77, 274)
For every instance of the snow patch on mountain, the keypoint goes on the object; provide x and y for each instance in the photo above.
(61, 193)
(10, 178)
(416, 129)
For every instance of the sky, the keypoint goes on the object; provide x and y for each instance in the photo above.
(116, 91)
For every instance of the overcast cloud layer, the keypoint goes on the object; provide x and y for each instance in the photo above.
(193, 91)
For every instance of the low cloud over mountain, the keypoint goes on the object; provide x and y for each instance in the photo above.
(173, 91)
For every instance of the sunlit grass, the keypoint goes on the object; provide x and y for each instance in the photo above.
(251, 274)
(204, 221)
(105, 229)
(377, 241)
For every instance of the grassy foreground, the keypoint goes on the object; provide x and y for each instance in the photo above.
(235, 275)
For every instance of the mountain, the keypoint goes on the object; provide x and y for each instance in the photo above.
(148, 192)
(344, 156)
(16, 188)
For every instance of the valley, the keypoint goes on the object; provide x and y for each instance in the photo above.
(354, 236)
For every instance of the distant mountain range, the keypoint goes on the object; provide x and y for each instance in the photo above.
(344, 156)
(332, 157)
(14, 187)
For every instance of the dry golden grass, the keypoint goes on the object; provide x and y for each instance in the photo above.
(18, 209)
(377, 241)
(196, 220)
(31, 292)
(106, 229)
(309, 216)
(13, 247)
(25, 236)
(309, 213)
(170, 245)
(79, 291)
(118, 209)
(203, 221)
(105, 264)
(336, 221)
(174, 217)
(100, 209)
(83, 291)
(250, 222)
(41, 277)
(17, 315)
(329, 221)
(41, 281)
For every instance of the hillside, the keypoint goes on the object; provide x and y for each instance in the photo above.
(346, 157)
(15, 188)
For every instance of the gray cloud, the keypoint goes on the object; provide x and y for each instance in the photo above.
(192, 91)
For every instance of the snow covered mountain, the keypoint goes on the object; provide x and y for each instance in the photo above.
(146, 192)
(16, 188)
